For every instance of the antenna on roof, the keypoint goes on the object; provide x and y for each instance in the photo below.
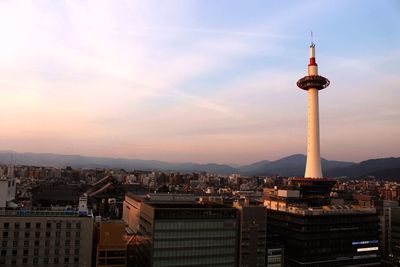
(312, 38)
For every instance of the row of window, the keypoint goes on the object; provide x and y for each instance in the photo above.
(194, 252)
(36, 243)
(38, 225)
(37, 234)
(36, 261)
(193, 234)
(195, 261)
(26, 252)
(188, 225)
(194, 243)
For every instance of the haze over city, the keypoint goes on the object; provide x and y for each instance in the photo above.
(202, 81)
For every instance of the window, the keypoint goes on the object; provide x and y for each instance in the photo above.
(37, 225)
(25, 252)
(66, 252)
(57, 242)
(47, 243)
(36, 252)
(27, 225)
(78, 234)
(78, 225)
(58, 234)
(14, 252)
(68, 225)
(26, 243)
(56, 251)
(48, 225)
(35, 261)
(37, 242)
(24, 261)
(76, 252)
(66, 260)
(47, 234)
(58, 225)
(5, 234)
(76, 259)
(16, 234)
(67, 242)
(46, 260)
(27, 233)
(16, 225)
(6, 225)
(68, 234)
(15, 243)
(3, 252)
(77, 242)
(56, 260)
(37, 234)
(4, 244)
(13, 262)
(46, 251)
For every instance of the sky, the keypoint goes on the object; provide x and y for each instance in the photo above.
(200, 81)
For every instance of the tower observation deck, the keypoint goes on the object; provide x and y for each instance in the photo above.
(312, 83)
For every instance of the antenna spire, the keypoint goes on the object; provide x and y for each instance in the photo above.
(312, 39)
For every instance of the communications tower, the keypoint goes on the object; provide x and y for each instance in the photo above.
(312, 83)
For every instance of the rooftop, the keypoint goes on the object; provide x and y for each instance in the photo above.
(43, 213)
(195, 205)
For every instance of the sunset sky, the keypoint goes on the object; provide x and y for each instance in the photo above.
(202, 81)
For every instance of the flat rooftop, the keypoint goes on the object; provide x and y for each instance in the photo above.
(195, 205)
(42, 213)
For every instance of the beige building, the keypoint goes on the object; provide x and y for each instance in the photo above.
(45, 238)
(111, 244)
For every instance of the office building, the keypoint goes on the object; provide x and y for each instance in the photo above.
(187, 234)
(252, 234)
(46, 238)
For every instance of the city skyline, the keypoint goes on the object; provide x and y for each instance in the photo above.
(197, 81)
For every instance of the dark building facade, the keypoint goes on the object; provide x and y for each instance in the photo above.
(183, 234)
(252, 236)
(312, 239)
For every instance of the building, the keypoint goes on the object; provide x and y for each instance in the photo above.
(45, 238)
(322, 235)
(252, 234)
(132, 204)
(385, 208)
(188, 234)
(111, 244)
(275, 255)
(394, 236)
(7, 187)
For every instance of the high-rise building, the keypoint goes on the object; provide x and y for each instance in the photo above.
(45, 238)
(252, 234)
(181, 232)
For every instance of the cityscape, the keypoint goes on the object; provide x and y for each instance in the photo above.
(190, 133)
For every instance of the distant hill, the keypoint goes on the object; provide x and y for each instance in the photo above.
(77, 161)
(373, 167)
(293, 165)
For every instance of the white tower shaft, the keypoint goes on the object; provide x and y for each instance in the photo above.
(313, 166)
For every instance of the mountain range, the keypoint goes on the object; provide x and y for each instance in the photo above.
(293, 165)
